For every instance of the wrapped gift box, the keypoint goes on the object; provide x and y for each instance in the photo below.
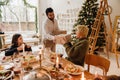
(61, 39)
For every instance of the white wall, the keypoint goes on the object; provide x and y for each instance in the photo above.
(115, 4)
(60, 6)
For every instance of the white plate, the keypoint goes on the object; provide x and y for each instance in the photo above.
(8, 66)
(78, 71)
(31, 76)
(10, 75)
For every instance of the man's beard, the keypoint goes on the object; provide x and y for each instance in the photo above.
(52, 19)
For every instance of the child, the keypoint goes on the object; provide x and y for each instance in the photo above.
(17, 45)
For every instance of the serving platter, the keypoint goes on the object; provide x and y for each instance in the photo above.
(37, 76)
(74, 69)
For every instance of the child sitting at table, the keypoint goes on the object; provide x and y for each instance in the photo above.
(17, 45)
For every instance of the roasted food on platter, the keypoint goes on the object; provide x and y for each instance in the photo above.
(30, 58)
(58, 75)
(25, 63)
(28, 68)
(73, 69)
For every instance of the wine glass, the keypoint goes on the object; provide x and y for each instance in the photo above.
(60, 50)
(17, 62)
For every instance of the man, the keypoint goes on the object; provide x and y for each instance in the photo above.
(51, 30)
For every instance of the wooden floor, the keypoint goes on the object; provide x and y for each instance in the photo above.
(114, 70)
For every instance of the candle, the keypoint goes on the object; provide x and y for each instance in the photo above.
(57, 62)
(96, 74)
(23, 48)
(82, 78)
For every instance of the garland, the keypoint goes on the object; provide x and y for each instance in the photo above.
(28, 5)
(5, 2)
(2, 3)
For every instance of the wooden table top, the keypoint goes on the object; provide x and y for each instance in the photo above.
(64, 62)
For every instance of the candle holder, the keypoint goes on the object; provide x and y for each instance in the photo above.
(41, 67)
(57, 68)
(40, 60)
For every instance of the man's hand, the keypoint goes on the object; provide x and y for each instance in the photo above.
(60, 32)
(63, 32)
(60, 39)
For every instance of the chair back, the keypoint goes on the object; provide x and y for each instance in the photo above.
(3, 49)
(97, 61)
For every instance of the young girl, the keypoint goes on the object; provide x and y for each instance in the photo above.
(17, 46)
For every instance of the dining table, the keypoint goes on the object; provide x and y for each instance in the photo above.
(48, 61)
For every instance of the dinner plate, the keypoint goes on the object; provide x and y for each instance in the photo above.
(8, 66)
(33, 76)
(74, 69)
(7, 74)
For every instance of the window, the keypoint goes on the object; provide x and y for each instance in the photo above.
(17, 17)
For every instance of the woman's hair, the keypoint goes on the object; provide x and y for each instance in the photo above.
(15, 38)
(82, 29)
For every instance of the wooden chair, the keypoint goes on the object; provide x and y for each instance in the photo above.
(3, 49)
(97, 61)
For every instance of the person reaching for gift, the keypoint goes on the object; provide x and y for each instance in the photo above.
(77, 49)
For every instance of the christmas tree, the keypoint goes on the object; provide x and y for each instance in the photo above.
(88, 14)
(87, 17)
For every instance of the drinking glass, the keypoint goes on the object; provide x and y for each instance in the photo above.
(17, 62)
(60, 50)
(17, 66)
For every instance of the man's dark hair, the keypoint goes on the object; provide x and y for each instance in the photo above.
(48, 10)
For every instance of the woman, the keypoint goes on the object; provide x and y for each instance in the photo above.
(77, 49)
(17, 45)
